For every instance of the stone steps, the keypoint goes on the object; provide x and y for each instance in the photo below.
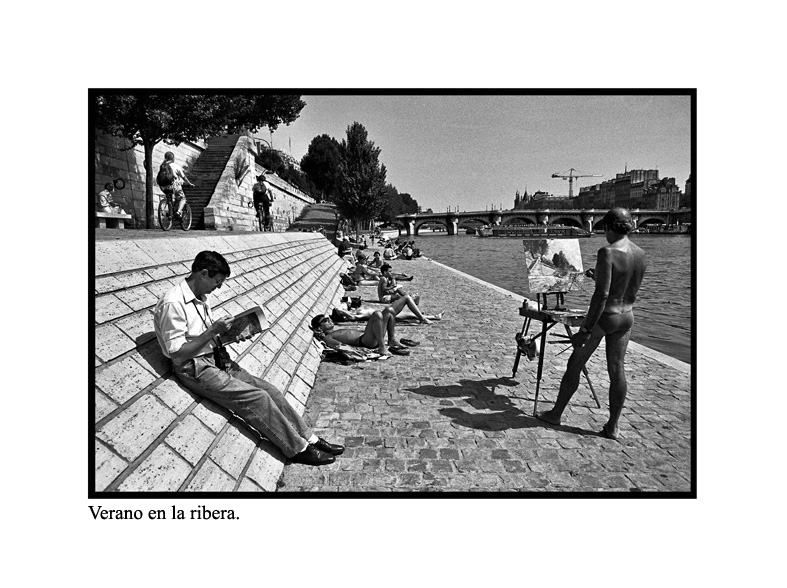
(206, 173)
(151, 434)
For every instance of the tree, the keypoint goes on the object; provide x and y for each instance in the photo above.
(147, 119)
(321, 163)
(360, 189)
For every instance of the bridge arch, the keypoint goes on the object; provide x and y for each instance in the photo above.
(519, 220)
(650, 220)
(566, 220)
(434, 221)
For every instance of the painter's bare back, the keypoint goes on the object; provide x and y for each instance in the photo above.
(628, 268)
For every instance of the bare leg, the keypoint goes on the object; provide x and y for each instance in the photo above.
(374, 334)
(616, 354)
(398, 304)
(570, 381)
(389, 320)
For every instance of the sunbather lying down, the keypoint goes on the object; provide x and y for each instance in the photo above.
(380, 324)
(341, 315)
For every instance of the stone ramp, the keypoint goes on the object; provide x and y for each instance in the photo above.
(150, 433)
(449, 418)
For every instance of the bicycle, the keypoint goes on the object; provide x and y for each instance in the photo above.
(166, 213)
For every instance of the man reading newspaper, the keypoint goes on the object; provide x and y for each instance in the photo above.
(188, 334)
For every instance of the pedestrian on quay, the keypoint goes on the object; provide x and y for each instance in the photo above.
(620, 267)
(262, 202)
(188, 334)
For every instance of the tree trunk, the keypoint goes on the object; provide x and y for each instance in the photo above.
(150, 213)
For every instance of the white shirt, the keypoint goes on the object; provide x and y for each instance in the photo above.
(181, 317)
(177, 170)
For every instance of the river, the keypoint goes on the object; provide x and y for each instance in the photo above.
(663, 310)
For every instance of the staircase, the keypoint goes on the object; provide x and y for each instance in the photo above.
(206, 173)
(315, 216)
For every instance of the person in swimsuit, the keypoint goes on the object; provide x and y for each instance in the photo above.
(620, 267)
(388, 292)
(380, 324)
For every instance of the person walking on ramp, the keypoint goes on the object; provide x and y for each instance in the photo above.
(620, 267)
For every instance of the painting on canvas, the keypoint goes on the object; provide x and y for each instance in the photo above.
(553, 265)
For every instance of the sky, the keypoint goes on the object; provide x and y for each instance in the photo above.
(476, 151)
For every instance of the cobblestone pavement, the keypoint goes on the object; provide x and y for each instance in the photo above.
(449, 417)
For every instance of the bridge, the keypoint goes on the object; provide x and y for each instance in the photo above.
(587, 219)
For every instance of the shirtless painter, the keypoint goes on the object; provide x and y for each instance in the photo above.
(620, 267)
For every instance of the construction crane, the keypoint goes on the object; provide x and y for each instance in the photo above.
(570, 177)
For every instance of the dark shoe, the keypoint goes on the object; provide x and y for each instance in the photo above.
(396, 350)
(409, 342)
(313, 457)
(325, 447)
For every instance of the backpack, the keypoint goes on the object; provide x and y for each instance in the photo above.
(165, 175)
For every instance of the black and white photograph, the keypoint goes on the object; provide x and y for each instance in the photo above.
(425, 205)
(374, 294)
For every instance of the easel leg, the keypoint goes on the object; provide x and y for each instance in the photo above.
(522, 333)
(540, 363)
(585, 371)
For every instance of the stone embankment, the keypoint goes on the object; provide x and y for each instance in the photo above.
(447, 418)
(450, 418)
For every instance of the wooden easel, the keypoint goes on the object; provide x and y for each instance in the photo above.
(548, 319)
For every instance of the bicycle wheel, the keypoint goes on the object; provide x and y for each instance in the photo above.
(185, 217)
(165, 214)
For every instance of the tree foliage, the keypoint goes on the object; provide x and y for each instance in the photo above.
(397, 203)
(321, 163)
(360, 193)
(147, 119)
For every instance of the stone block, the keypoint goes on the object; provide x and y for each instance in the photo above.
(133, 430)
(211, 478)
(104, 406)
(233, 451)
(160, 272)
(108, 307)
(137, 298)
(149, 355)
(122, 380)
(162, 471)
(131, 279)
(266, 466)
(106, 284)
(278, 377)
(108, 466)
(138, 326)
(120, 255)
(213, 419)
(248, 486)
(174, 396)
(190, 438)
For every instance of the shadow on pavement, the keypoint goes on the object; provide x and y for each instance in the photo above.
(481, 395)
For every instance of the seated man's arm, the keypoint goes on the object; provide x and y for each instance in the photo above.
(174, 327)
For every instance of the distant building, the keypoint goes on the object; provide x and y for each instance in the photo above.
(688, 194)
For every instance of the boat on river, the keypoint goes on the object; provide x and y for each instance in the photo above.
(531, 232)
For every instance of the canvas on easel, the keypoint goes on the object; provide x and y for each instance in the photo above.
(553, 265)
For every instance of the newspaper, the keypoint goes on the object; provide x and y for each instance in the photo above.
(246, 325)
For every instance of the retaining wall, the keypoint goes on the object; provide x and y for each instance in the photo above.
(114, 160)
(151, 434)
(231, 206)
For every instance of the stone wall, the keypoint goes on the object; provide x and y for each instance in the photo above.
(231, 207)
(114, 160)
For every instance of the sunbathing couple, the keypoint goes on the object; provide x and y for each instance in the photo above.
(381, 323)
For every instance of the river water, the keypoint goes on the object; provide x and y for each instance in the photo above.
(663, 310)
